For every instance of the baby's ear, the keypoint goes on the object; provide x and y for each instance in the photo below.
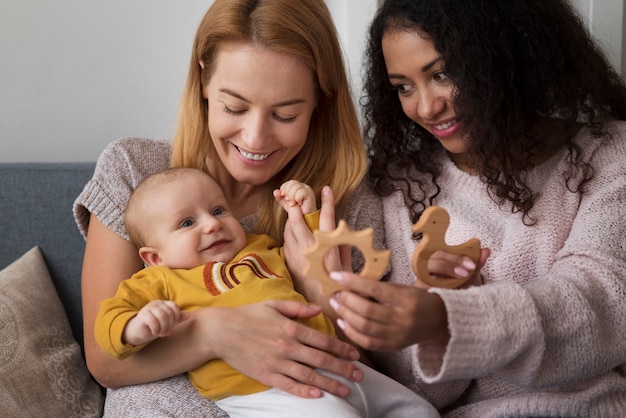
(150, 256)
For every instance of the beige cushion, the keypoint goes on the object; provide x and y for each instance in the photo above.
(42, 371)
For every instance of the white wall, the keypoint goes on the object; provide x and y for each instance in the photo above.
(605, 19)
(352, 18)
(76, 74)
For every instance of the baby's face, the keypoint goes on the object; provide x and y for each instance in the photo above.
(192, 224)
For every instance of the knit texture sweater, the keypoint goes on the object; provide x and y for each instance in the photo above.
(546, 334)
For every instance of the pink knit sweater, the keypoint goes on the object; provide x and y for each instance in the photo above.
(546, 334)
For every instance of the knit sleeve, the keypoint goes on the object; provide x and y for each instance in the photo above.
(119, 169)
(564, 321)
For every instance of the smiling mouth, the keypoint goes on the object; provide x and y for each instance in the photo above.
(251, 156)
(445, 125)
(219, 243)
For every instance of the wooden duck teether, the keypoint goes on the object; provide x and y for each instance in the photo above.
(433, 224)
(376, 261)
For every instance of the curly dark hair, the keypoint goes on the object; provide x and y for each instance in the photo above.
(512, 62)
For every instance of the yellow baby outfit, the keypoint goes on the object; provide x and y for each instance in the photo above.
(258, 272)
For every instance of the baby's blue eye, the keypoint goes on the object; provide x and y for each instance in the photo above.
(187, 223)
(217, 211)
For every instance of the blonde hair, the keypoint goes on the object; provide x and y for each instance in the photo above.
(334, 153)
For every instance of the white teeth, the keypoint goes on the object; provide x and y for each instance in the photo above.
(255, 157)
(445, 125)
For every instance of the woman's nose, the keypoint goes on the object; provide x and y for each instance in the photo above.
(428, 104)
(256, 132)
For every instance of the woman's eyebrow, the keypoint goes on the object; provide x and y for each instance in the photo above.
(424, 69)
(431, 64)
(240, 97)
(234, 94)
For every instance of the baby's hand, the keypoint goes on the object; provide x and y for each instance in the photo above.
(156, 319)
(293, 193)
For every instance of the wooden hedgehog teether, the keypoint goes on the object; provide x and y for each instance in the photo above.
(433, 224)
(376, 261)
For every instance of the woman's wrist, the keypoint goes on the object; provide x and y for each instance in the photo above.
(203, 322)
(440, 330)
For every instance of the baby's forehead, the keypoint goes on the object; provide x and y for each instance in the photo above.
(188, 181)
(193, 190)
(178, 191)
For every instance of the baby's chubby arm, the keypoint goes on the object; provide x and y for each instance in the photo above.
(156, 319)
(294, 193)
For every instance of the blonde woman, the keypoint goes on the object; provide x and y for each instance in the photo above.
(267, 99)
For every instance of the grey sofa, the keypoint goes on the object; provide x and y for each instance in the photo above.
(36, 209)
(43, 368)
(43, 371)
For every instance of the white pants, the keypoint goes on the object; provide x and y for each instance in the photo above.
(376, 396)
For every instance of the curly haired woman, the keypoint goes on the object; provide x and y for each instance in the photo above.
(506, 114)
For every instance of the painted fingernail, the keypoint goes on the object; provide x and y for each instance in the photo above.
(461, 272)
(469, 264)
(333, 303)
(337, 276)
(341, 324)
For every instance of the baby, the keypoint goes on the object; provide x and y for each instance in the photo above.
(197, 254)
